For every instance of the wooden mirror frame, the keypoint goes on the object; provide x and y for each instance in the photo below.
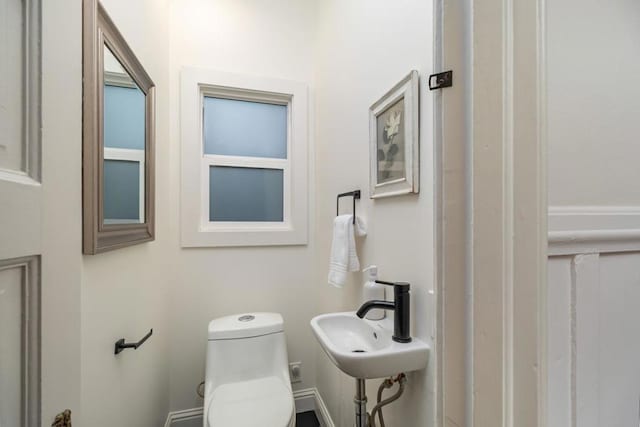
(98, 31)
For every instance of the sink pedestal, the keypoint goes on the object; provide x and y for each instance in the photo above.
(360, 401)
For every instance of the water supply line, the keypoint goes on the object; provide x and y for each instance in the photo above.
(401, 379)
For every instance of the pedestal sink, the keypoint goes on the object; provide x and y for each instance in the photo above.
(364, 349)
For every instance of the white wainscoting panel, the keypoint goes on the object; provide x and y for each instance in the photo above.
(585, 292)
(619, 350)
(559, 344)
(594, 340)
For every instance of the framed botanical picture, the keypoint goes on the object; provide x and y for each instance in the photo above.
(394, 138)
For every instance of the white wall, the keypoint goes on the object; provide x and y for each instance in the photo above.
(348, 66)
(177, 291)
(125, 292)
(593, 107)
(62, 208)
(364, 48)
(270, 39)
(593, 101)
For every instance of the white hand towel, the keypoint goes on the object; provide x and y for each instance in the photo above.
(343, 249)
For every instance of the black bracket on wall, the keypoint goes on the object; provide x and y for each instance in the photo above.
(355, 194)
(121, 345)
(441, 80)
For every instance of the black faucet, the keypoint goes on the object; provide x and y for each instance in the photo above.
(400, 306)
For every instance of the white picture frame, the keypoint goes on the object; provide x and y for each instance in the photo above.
(394, 140)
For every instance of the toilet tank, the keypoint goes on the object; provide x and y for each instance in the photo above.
(244, 347)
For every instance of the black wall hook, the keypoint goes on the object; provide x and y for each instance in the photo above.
(121, 345)
(355, 194)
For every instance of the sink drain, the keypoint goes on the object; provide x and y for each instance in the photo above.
(358, 351)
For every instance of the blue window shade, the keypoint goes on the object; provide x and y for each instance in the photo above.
(121, 190)
(242, 128)
(124, 117)
(245, 194)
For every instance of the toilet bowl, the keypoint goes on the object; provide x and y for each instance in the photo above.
(247, 380)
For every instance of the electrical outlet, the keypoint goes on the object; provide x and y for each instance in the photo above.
(295, 372)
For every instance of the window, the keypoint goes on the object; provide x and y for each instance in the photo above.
(245, 153)
(244, 160)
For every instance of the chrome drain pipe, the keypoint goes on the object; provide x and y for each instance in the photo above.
(360, 401)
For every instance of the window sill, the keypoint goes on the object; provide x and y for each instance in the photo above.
(234, 237)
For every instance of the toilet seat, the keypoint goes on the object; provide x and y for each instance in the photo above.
(258, 402)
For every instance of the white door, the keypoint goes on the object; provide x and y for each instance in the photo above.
(20, 221)
(39, 292)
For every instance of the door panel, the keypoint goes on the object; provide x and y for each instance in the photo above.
(20, 124)
(20, 210)
(12, 149)
(10, 346)
(20, 342)
(20, 213)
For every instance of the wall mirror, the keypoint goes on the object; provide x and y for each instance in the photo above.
(118, 139)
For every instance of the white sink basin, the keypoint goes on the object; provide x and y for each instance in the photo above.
(364, 349)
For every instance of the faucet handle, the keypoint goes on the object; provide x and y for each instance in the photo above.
(401, 285)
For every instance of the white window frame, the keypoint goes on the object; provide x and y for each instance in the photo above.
(196, 229)
(129, 155)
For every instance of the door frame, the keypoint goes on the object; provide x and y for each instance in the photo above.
(492, 212)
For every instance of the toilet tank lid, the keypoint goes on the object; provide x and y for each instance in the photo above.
(245, 325)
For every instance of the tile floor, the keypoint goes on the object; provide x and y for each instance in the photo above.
(307, 419)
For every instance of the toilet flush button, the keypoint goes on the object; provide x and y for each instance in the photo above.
(246, 318)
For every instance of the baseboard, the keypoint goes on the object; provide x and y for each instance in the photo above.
(306, 400)
(184, 415)
(593, 229)
(310, 399)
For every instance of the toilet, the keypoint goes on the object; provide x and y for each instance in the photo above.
(247, 380)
